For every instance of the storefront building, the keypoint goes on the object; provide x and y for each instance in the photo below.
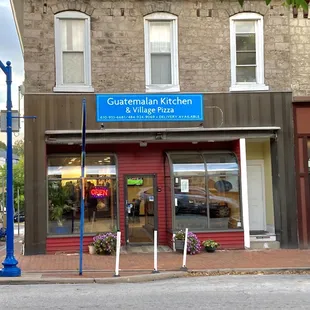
(188, 124)
(221, 177)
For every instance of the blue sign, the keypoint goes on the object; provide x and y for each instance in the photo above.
(149, 107)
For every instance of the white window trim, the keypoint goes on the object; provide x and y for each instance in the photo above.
(259, 30)
(60, 86)
(174, 86)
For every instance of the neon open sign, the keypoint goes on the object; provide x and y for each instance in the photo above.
(99, 192)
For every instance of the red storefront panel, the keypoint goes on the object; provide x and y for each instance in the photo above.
(133, 159)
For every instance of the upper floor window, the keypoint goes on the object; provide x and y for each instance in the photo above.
(247, 52)
(161, 53)
(72, 52)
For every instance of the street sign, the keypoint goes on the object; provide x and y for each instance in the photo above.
(15, 121)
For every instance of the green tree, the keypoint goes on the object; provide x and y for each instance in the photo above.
(18, 148)
(289, 3)
(2, 145)
(18, 181)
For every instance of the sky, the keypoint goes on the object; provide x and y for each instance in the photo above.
(10, 50)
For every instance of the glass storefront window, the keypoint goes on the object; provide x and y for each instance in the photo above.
(188, 164)
(64, 194)
(70, 166)
(206, 193)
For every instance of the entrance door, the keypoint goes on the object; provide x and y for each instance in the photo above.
(140, 208)
(256, 193)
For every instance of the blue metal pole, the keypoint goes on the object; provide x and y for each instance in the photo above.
(10, 263)
(82, 204)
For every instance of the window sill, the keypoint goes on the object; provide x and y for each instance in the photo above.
(248, 87)
(162, 88)
(74, 89)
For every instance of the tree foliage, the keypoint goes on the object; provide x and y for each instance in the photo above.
(289, 3)
(18, 148)
(2, 145)
(18, 181)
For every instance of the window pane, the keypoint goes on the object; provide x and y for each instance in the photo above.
(72, 33)
(245, 42)
(245, 26)
(190, 203)
(224, 201)
(160, 37)
(246, 74)
(100, 205)
(73, 67)
(70, 166)
(161, 69)
(246, 58)
(223, 191)
(63, 206)
(188, 164)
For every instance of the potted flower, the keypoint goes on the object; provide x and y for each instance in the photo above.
(91, 248)
(210, 245)
(105, 243)
(179, 239)
(193, 243)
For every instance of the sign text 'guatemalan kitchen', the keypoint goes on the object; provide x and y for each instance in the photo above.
(149, 107)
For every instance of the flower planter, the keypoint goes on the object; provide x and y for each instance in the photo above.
(210, 250)
(179, 245)
(91, 249)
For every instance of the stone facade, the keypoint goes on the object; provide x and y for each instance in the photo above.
(117, 44)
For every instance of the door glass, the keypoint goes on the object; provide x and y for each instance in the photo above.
(140, 209)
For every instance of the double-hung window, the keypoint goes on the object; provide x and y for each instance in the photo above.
(247, 52)
(161, 53)
(72, 52)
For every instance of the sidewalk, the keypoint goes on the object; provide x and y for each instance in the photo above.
(65, 266)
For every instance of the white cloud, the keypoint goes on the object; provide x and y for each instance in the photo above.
(9, 50)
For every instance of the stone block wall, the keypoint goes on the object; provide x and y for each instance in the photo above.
(117, 43)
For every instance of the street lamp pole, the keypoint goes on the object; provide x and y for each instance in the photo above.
(10, 268)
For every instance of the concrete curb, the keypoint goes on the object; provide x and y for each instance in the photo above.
(249, 270)
(36, 278)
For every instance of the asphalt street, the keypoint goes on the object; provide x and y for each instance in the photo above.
(223, 292)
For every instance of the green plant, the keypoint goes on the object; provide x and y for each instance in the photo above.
(180, 235)
(58, 201)
(210, 244)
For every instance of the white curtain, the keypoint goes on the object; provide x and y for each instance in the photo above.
(72, 44)
(160, 37)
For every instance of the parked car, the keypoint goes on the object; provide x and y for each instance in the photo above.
(21, 217)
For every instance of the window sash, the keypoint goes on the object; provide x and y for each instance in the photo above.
(72, 52)
(160, 35)
(248, 53)
(166, 76)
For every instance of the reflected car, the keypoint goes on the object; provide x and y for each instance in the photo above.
(21, 217)
(195, 202)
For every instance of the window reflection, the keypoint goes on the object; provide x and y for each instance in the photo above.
(70, 166)
(208, 199)
(64, 194)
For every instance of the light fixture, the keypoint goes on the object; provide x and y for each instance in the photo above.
(99, 161)
(70, 162)
(143, 144)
